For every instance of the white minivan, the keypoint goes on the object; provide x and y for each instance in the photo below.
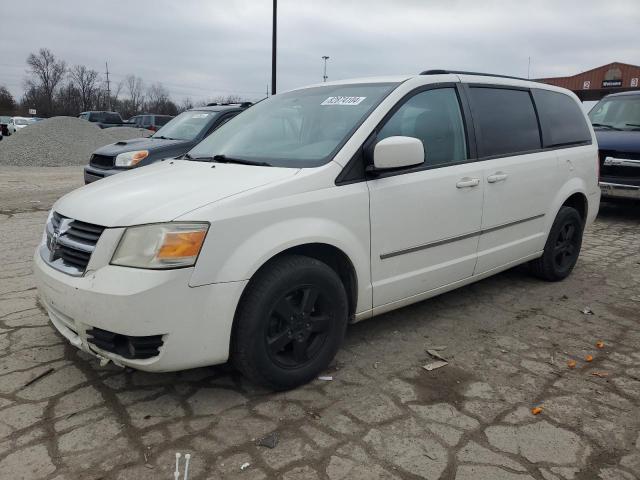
(315, 208)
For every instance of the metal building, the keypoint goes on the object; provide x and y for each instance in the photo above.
(598, 82)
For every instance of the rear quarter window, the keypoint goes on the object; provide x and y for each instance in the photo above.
(562, 120)
(505, 119)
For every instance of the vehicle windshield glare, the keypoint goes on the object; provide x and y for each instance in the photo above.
(617, 112)
(185, 126)
(302, 128)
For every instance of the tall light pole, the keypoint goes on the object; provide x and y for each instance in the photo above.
(324, 76)
(273, 47)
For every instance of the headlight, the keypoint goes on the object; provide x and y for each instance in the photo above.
(129, 159)
(161, 246)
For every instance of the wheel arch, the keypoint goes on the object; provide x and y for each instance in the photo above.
(578, 201)
(329, 254)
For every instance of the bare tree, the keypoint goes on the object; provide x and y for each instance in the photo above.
(86, 82)
(7, 102)
(135, 89)
(46, 74)
(158, 100)
(187, 104)
(222, 99)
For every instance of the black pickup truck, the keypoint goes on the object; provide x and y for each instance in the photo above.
(104, 119)
(616, 121)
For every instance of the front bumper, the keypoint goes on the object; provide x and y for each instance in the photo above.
(194, 322)
(91, 174)
(617, 190)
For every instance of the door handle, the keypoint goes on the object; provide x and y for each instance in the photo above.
(467, 182)
(497, 177)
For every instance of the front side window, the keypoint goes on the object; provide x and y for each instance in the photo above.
(186, 126)
(506, 121)
(302, 128)
(562, 120)
(617, 113)
(434, 117)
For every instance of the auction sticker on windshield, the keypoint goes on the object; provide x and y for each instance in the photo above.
(343, 101)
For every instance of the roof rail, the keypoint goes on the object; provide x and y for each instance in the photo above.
(460, 72)
(241, 104)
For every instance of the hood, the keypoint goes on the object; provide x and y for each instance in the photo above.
(163, 191)
(621, 141)
(151, 144)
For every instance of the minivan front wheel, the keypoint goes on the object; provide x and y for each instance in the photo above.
(290, 323)
(562, 248)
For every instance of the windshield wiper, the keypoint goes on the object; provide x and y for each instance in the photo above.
(188, 156)
(632, 124)
(224, 159)
(163, 137)
(605, 125)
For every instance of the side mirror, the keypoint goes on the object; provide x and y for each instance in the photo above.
(396, 152)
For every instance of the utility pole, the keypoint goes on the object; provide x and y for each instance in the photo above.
(106, 64)
(273, 47)
(324, 75)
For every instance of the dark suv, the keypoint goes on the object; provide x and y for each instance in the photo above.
(176, 138)
(616, 120)
(103, 119)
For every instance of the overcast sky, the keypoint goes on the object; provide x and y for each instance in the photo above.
(204, 48)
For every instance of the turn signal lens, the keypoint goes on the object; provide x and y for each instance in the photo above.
(180, 245)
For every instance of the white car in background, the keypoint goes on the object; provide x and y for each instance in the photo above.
(315, 208)
(19, 123)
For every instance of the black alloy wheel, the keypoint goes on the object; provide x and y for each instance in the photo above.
(562, 248)
(298, 326)
(290, 322)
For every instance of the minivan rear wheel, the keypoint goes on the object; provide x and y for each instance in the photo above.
(290, 323)
(562, 248)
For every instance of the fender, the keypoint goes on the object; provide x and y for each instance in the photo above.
(240, 244)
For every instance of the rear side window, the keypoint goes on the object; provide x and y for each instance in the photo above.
(562, 120)
(506, 121)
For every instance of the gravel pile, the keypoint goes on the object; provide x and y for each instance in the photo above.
(60, 141)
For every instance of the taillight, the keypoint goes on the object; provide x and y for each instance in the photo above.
(153, 128)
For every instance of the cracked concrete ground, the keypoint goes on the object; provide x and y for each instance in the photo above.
(508, 340)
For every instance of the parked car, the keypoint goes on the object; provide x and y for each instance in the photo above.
(19, 123)
(103, 119)
(4, 125)
(148, 121)
(616, 120)
(175, 138)
(317, 207)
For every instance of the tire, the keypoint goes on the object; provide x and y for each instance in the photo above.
(562, 248)
(290, 323)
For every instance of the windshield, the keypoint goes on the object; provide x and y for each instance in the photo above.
(5, 119)
(21, 121)
(186, 126)
(303, 128)
(622, 113)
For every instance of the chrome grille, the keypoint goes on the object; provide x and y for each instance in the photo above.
(69, 244)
